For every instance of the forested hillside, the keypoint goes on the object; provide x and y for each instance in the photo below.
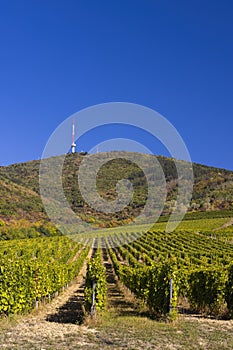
(20, 199)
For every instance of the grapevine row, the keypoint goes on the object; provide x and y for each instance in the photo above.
(25, 281)
(200, 267)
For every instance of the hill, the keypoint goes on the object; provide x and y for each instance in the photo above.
(20, 199)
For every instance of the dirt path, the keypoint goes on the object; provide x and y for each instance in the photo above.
(227, 224)
(118, 298)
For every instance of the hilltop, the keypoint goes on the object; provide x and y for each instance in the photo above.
(20, 198)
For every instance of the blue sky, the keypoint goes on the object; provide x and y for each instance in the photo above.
(58, 57)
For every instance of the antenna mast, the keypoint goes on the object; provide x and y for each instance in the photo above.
(73, 145)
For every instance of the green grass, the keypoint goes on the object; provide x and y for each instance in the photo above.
(133, 332)
(187, 225)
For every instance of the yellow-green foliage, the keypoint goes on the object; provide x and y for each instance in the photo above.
(35, 268)
(96, 272)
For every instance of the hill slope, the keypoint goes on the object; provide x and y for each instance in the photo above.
(20, 199)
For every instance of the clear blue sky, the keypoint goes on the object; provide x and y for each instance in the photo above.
(57, 57)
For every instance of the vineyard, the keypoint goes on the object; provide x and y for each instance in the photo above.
(33, 270)
(199, 266)
(187, 269)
